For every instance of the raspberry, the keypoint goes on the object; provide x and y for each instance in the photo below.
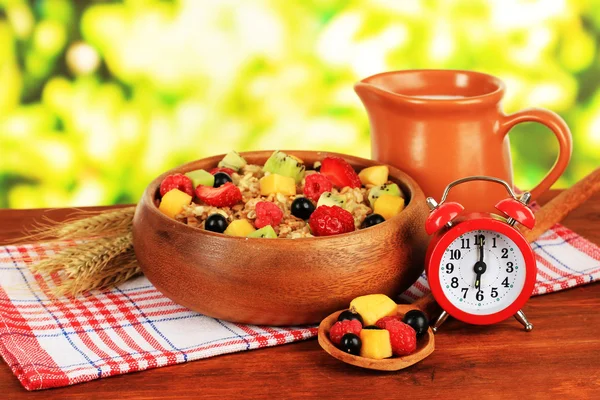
(267, 213)
(226, 195)
(177, 181)
(340, 173)
(315, 185)
(327, 221)
(382, 321)
(228, 171)
(340, 328)
(402, 337)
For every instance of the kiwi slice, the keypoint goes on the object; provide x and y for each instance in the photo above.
(232, 160)
(264, 232)
(201, 177)
(330, 199)
(282, 164)
(389, 188)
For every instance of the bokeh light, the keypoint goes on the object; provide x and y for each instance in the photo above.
(97, 98)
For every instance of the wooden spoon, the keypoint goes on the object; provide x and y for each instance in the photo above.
(425, 345)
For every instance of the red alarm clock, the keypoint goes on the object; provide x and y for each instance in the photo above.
(481, 270)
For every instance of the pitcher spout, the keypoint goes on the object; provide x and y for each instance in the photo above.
(370, 93)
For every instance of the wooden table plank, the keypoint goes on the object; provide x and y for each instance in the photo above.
(558, 358)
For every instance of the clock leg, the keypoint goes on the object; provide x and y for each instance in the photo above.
(520, 316)
(443, 316)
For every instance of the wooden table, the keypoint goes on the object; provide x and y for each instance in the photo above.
(560, 357)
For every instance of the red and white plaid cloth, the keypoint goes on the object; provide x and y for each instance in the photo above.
(57, 342)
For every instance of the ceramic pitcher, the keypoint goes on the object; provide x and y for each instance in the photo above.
(441, 125)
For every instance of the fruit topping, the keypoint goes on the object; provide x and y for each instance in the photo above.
(402, 337)
(282, 164)
(224, 196)
(228, 171)
(330, 199)
(382, 321)
(315, 185)
(232, 160)
(375, 327)
(377, 175)
(391, 189)
(266, 232)
(317, 166)
(267, 213)
(340, 328)
(277, 184)
(339, 172)
(417, 320)
(373, 219)
(375, 344)
(349, 315)
(173, 202)
(177, 181)
(239, 227)
(302, 208)
(216, 223)
(221, 178)
(372, 307)
(327, 221)
(351, 344)
(388, 206)
(200, 177)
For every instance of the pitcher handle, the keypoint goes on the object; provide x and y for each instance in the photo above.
(557, 125)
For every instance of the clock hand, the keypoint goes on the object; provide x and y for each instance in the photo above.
(480, 266)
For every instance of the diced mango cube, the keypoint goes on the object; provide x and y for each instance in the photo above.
(173, 202)
(376, 175)
(372, 307)
(375, 344)
(274, 183)
(387, 206)
(239, 227)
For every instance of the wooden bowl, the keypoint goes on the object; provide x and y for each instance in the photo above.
(279, 281)
(425, 346)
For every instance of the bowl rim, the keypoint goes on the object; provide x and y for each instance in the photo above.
(416, 191)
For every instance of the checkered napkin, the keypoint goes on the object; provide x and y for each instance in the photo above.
(57, 342)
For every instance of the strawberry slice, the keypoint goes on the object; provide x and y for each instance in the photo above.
(228, 171)
(226, 195)
(340, 173)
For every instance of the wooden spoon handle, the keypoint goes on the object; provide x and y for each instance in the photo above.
(558, 208)
(551, 213)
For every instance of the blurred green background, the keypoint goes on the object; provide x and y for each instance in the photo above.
(97, 98)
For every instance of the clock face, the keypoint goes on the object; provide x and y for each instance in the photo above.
(482, 272)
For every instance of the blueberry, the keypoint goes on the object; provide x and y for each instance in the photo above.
(221, 178)
(373, 327)
(349, 315)
(216, 223)
(351, 343)
(302, 208)
(372, 219)
(416, 320)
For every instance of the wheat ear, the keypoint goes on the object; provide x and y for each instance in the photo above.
(99, 224)
(95, 264)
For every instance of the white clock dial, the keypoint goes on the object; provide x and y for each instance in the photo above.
(499, 285)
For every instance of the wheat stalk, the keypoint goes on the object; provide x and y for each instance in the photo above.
(103, 223)
(95, 264)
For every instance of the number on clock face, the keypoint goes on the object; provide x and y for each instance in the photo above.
(490, 287)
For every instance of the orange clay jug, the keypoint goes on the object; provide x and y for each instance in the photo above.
(442, 125)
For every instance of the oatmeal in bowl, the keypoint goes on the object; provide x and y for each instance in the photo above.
(283, 198)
